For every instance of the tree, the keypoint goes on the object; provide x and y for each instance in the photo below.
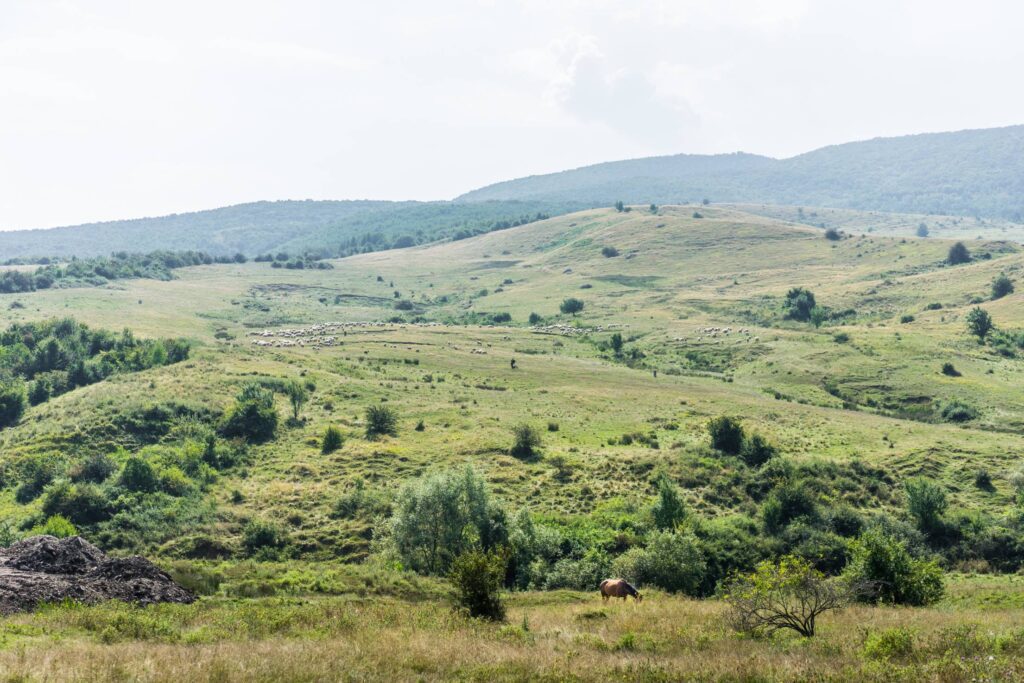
(526, 441)
(818, 316)
(788, 594)
(958, 254)
(926, 502)
(672, 561)
(138, 475)
(12, 402)
(922, 230)
(616, 344)
(619, 206)
(881, 569)
(653, 208)
(833, 235)
(979, 323)
(1001, 286)
(380, 420)
(332, 440)
(756, 451)
(477, 577)
(799, 304)
(726, 434)
(253, 415)
(297, 395)
(668, 511)
(571, 305)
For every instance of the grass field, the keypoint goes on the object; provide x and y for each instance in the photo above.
(865, 410)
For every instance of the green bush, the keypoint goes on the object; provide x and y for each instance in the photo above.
(798, 304)
(957, 411)
(890, 643)
(786, 504)
(668, 510)
(477, 577)
(726, 434)
(12, 402)
(525, 442)
(926, 502)
(571, 305)
(949, 370)
(79, 503)
(253, 416)
(55, 525)
(1001, 286)
(881, 569)
(756, 451)
(672, 561)
(979, 323)
(380, 421)
(259, 535)
(138, 475)
(332, 440)
(96, 468)
(958, 254)
(609, 252)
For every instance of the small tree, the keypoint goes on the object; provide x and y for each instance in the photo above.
(882, 570)
(380, 420)
(669, 510)
(332, 440)
(526, 441)
(926, 502)
(799, 304)
(619, 206)
(477, 577)
(790, 594)
(833, 235)
(922, 230)
(653, 208)
(138, 475)
(757, 451)
(818, 316)
(616, 344)
(253, 416)
(571, 305)
(1001, 286)
(958, 253)
(979, 323)
(726, 434)
(12, 402)
(297, 395)
(609, 252)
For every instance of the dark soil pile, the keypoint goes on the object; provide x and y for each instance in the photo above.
(47, 569)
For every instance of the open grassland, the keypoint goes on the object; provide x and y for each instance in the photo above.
(556, 636)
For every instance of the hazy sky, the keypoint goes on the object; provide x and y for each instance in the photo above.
(115, 109)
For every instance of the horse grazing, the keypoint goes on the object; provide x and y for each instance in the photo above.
(618, 588)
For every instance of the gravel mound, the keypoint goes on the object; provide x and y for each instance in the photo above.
(47, 569)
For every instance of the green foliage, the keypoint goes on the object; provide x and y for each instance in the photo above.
(757, 451)
(1001, 286)
(55, 525)
(726, 434)
(440, 516)
(950, 370)
(609, 252)
(882, 570)
(253, 415)
(571, 305)
(958, 254)
(535, 319)
(956, 410)
(668, 510)
(380, 421)
(12, 402)
(889, 643)
(82, 504)
(671, 560)
(477, 577)
(525, 441)
(979, 322)
(297, 396)
(787, 504)
(260, 537)
(799, 304)
(138, 475)
(332, 440)
(616, 343)
(833, 235)
(926, 502)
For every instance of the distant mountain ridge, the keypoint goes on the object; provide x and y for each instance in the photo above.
(970, 172)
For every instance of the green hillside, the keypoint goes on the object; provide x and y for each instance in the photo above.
(973, 173)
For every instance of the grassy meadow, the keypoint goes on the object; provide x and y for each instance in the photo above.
(856, 402)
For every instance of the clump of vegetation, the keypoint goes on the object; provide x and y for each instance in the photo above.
(297, 394)
(331, 441)
(381, 421)
(956, 410)
(906, 318)
(609, 252)
(1001, 286)
(571, 306)
(253, 415)
(881, 569)
(726, 434)
(798, 304)
(950, 370)
(833, 235)
(477, 577)
(979, 323)
(525, 442)
(958, 254)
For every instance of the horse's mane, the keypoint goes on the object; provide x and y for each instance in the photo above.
(632, 590)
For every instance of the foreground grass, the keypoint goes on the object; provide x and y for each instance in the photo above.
(549, 636)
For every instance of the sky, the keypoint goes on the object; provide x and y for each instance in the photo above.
(116, 109)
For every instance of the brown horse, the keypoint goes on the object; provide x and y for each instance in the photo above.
(618, 588)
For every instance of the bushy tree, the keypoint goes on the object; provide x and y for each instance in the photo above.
(297, 396)
(571, 305)
(526, 441)
(80, 503)
(441, 516)
(477, 577)
(253, 415)
(380, 421)
(922, 230)
(260, 535)
(726, 434)
(332, 440)
(926, 502)
(671, 560)
(12, 402)
(979, 323)
(958, 254)
(756, 451)
(881, 569)
(786, 504)
(138, 475)
(1001, 286)
(799, 303)
(668, 510)
(616, 343)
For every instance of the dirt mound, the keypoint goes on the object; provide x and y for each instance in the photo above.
(46, 569)
(52, 555)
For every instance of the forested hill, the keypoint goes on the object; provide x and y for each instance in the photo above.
(332, 227)
(972, 172)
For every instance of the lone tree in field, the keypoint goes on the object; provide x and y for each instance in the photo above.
(799, 304)
(380, 420)
(791, 594)
(571, 305)
(958, 254)
(1001, 286)
(979, 323)
(726, 434)
(332, 440)
(477, 577)
(526, 441)
(297, 396)
(616, 344)
(619, 206)
(922, 230)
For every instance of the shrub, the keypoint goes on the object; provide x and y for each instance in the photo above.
(297, 394)
(259, 535)
(12, 402)
(756, 451)
(526, 441)
(949, 370)
(552, 426)
(922, 230)
(841, 337)
(790, 594)
(668, 510)
(926, 502)
(958, 254)
(96, 468)
(798, 304)
(833, 235)
(138, 475)
(882, 570)
(672, 561)
(420, 426)
(906, 319)
(253, 415)
(609, 252)
(979, 323)
(983, 480)
(726, 434)
(1001, 286)
(332, 440)
(616, 343)
(535, 319)
(79, 503)
(381, 420)
(56, 525)
(477, 577)
(957, 411)
(499, 318)
(890, 643)
(786, 504)
(571, 305)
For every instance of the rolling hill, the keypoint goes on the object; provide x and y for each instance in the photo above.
(971, 172)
